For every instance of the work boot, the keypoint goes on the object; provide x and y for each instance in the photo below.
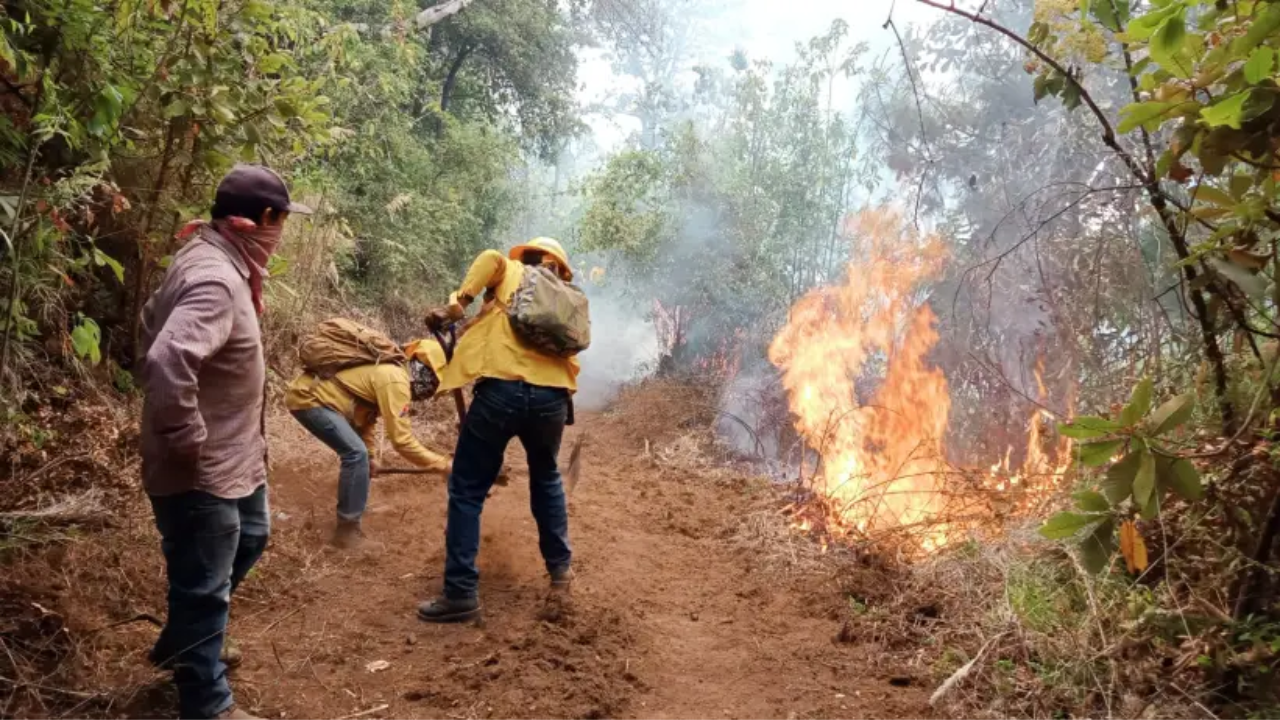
(449, 610)
(561, 579)
(231, 654)
(348, 535)
(235, 713)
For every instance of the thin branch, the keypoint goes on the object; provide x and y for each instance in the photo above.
(1108, 131)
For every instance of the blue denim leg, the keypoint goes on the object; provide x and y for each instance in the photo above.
(540, 432)
(353, 479)
(476, 463)
(255, 528)
(199, 536)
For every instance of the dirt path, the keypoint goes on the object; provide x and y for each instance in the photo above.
(671, 615)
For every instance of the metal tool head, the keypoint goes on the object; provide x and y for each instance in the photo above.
(573, 469)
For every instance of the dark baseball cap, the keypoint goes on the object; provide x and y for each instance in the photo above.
(248, 185)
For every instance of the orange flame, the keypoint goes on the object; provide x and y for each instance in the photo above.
(883, 466)
(882, 460)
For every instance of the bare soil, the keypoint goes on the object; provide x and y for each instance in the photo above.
(675, 611)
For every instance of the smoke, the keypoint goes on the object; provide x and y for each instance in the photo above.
(624, 347)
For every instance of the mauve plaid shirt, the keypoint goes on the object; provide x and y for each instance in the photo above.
(204, 376)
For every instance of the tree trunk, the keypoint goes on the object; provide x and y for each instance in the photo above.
(451, 79)
(142, 272)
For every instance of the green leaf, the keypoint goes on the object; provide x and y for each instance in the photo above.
(1147, 115)
(1111, 14)
(1258, 67)
(1144, 26)
(1098, 453)
(1266, 23)
(177, 108)
(1211, 194)
(1180, 476)
(1119, 482)
(102, 259)
(1079, 433)
(1091, 501)
(1065, 524)
(1228, 111)
(1168, 39)
(1144, 482)
(1099, 547)
(1172, 414)
(1139, 403)
(277, 265)
(1151, 510)
(1071, 94)
(85, 339)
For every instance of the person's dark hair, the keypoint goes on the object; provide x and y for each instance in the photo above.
(532, 257)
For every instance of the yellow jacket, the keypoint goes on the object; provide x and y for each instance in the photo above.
(361, 394)
(489, 348)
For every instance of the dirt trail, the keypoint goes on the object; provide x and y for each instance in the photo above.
(670, 616)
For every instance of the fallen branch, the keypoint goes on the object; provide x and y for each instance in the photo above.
(960, 674)
(424, 19)
(370, 711)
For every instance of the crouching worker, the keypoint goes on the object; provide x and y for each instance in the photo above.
(342, 408)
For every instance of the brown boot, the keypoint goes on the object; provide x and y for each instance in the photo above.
(349, 536)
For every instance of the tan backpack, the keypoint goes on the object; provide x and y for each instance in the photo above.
(549, 314)
(339, 343)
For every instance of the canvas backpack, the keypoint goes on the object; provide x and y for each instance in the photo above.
(338, 343)
(549, 314)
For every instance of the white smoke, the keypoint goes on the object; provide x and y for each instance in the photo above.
(624, 347)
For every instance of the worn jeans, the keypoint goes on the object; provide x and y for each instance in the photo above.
(501, 410)
(353, 478)
(209, 545)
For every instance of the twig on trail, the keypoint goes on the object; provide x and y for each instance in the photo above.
(47, 688)
(281, 619)
(51, 465)
(961, 674)
(128, 621)
(370, 711)
(276, 651)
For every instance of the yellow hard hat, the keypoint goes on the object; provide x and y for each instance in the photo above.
(548, 246)
(428, 352)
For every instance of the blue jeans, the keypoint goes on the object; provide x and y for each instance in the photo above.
(209, 545)
(501, 410)
(333, 430)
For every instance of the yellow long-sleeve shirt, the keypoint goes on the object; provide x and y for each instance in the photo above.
(490, 348)
(360, 394)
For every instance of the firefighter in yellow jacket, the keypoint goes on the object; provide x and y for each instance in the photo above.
(342, 412)
(519, 393)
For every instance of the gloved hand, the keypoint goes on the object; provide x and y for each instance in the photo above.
(436, 319)
(439, 317)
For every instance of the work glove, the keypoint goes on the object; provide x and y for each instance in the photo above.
(439, 317)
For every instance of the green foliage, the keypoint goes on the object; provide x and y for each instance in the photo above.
(1206, 101)
(85, 339)
(734, 217)
(1137, 483)
(131, 115)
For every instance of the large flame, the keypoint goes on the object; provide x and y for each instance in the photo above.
(882, 459)
(883, 465)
